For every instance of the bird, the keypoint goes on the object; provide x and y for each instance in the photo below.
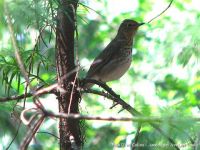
(113, 62)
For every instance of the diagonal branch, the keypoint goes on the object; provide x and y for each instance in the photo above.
(19, 60)
(136, 138)
(126, 106)
(14, 42)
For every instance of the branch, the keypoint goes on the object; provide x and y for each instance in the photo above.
(15, 136)
(44, 132)
(101, 118)
(126, 106)
(136, 136)
(16, 48)
(87, 117)
(31, 132)
(39, 92)
(18, 58)
(113, 96)
(15, 97)
(161, 12)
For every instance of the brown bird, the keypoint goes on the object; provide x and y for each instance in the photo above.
(113, 62)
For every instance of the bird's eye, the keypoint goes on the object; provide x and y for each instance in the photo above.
(129, 25)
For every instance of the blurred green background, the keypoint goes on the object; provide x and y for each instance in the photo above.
(163, 80)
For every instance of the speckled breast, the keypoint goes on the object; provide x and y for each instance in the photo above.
(126, 54)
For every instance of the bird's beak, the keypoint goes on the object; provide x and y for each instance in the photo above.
(140, 24)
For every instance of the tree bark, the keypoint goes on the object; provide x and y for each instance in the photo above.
(68, 96)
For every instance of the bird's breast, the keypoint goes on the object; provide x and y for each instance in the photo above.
(126, 52)
(125, 60)
(117, 67)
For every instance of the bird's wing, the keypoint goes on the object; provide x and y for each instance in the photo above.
(104, 57)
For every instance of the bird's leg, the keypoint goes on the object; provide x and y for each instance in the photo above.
(117, 96)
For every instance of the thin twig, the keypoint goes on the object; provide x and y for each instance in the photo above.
(30, 120)
(31, 132)
(136, 137)
(101, 118)
(15, 97)
(39, 91)
(87, 7)
(19, 60)
(14, 42)
(44, 132)
(89, 117)
(161, 12)
(13, 139)
(72, 92)
(18, 57)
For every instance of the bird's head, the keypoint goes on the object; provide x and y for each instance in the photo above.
(128, 28)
